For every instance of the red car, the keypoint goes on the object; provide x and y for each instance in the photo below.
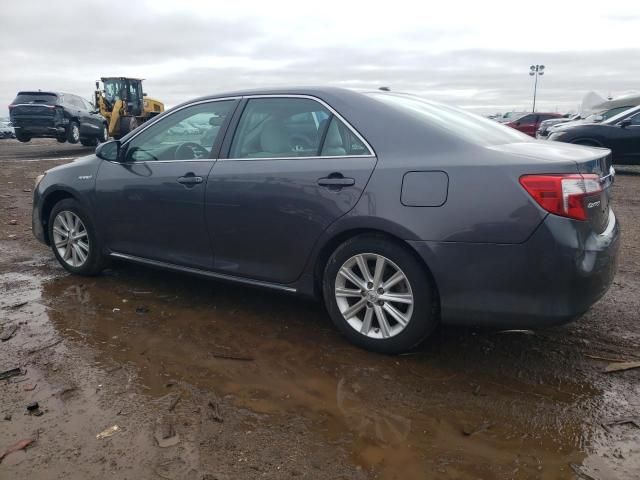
(530, 122)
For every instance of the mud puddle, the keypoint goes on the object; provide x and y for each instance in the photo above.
(470, 404)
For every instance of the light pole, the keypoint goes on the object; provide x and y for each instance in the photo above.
(535, 70)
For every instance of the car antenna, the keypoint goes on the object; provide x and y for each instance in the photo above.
(384, 89)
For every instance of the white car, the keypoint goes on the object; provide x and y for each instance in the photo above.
(6, 130)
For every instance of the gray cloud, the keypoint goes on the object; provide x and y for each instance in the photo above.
(68, 45)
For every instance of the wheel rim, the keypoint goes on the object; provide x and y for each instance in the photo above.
(75, 132)
(374, 296)
(71, 238)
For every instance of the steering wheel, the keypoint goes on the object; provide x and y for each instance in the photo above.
(189, 150)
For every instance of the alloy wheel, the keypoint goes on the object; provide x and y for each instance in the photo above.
(75, 132)
(374, 295)
(71, 238)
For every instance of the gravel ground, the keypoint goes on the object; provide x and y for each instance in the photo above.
(206, 380)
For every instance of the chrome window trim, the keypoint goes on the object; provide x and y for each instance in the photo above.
(152, 122)
(314, 157)
(324, 104)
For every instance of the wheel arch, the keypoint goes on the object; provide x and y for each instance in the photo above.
(591, 140)
(333, 242)
(49, 201)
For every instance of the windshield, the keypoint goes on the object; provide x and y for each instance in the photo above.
(36, 97)
(459, 122)
(621, 115)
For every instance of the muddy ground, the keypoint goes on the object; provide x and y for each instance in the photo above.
(253, 384)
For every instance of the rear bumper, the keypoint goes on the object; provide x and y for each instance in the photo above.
(41, 130)
(552, 278)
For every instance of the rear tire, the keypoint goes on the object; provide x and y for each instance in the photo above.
(407, 307)
(73, 132)
(69, 222)
(23, 138)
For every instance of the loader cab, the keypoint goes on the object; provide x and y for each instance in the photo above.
(128, 90)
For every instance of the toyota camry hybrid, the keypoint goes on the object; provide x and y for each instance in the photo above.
(398, 212)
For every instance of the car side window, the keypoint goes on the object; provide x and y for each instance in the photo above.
(292, 127)
(635, 120)
(279, 127)
(74, 101)
(87, 106)
(527, 119)
(188, 134)
(341, 141)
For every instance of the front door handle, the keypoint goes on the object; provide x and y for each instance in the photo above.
(336, 180)
(190, 179)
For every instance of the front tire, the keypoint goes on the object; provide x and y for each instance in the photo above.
(73, 239)
(73, 132)
(379, 295)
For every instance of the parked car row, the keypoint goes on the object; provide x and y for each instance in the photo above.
(63, 116)
(620, 134)
(546, 128)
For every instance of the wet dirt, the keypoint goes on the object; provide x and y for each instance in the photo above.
(259, 385)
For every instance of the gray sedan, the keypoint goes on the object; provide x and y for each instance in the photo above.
(398, 212)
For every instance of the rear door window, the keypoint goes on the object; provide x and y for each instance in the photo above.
(341, 141)
(279, 127)
(292, 127)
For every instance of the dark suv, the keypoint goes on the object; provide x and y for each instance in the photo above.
(63, 116)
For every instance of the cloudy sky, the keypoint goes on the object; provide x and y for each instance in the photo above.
(475, 54)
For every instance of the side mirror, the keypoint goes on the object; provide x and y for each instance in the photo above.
(625, 123)
(598, 118)
(144, 94)
(517, 124)
(109, 151)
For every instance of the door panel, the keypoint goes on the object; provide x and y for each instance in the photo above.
(152, 202)
(146, 212)
(265, 215)
(294, 168)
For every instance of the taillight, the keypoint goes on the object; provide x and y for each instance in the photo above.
(562, 194)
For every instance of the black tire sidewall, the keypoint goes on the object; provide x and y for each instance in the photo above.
(95, 261)
(423, 320)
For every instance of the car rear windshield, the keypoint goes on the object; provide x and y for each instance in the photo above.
(460, 123)
(36, 97)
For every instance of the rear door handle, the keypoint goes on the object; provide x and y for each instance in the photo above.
(336, 181)
(190, 180)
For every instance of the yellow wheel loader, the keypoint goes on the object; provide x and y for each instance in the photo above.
(123, 103)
